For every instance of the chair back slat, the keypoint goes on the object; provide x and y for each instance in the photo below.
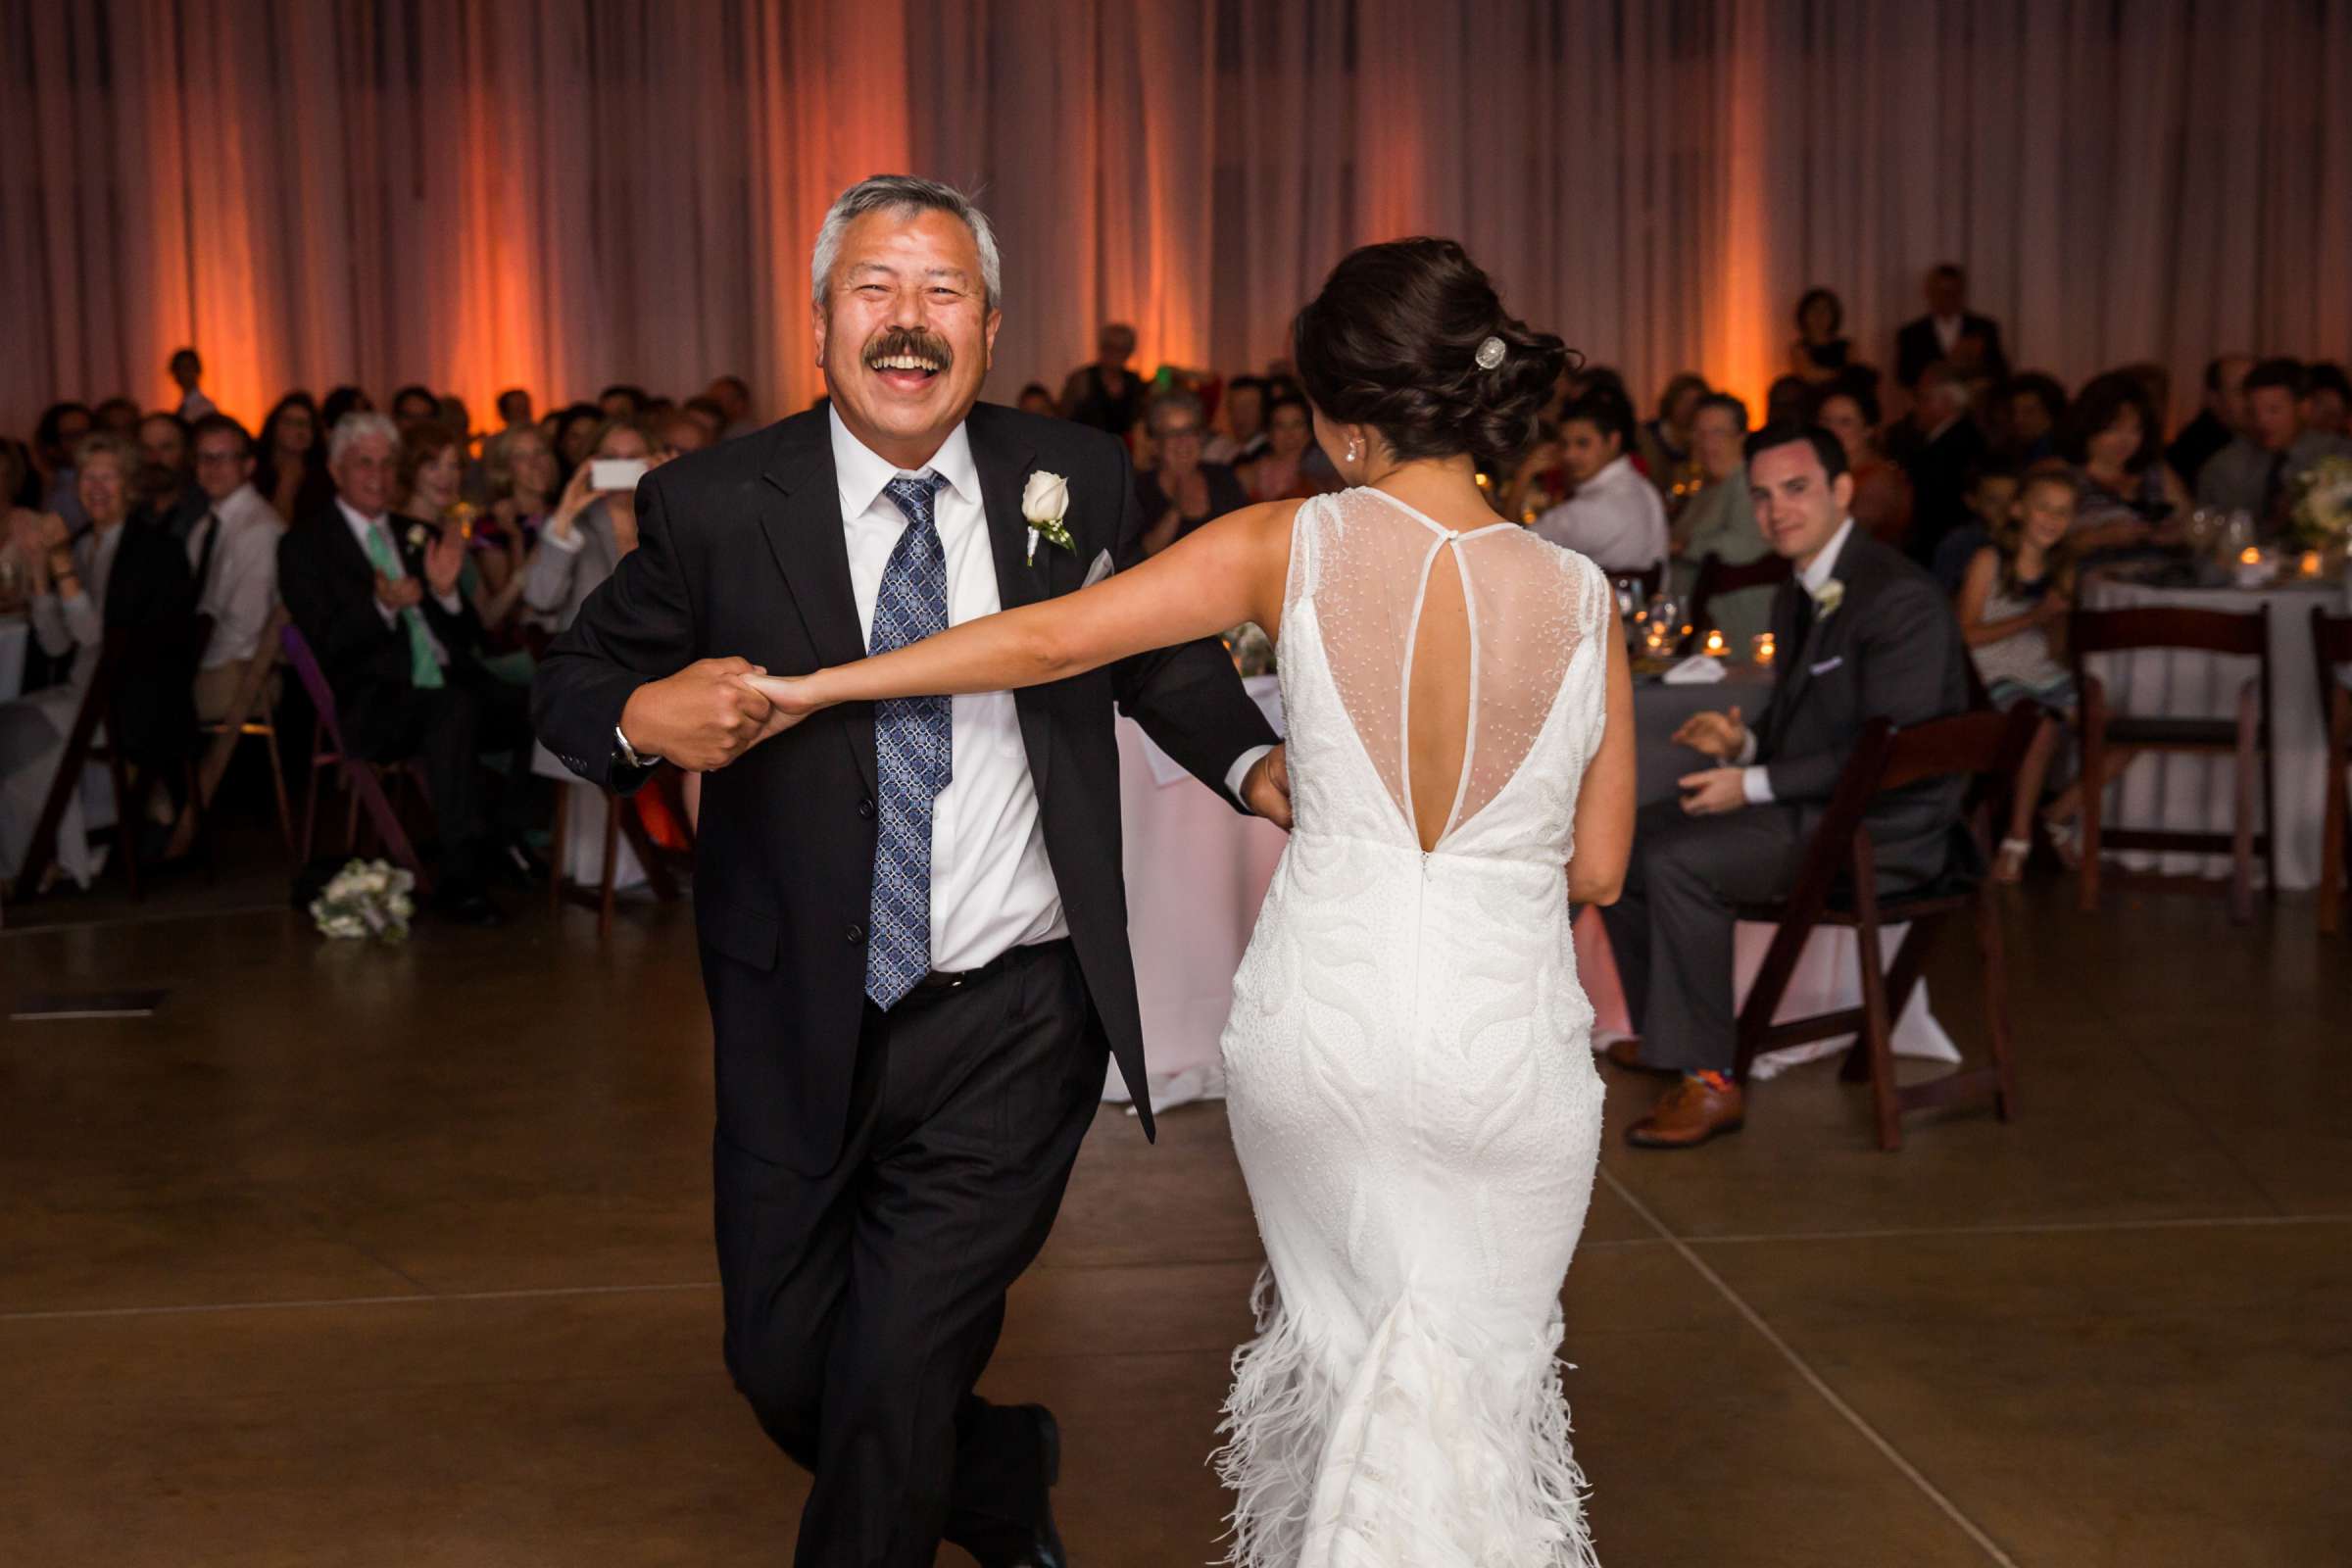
(1977, 745)
(314, 682)
(2246, 634)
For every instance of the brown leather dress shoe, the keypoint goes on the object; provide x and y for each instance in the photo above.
(1627, 1053)
(1687, 1114)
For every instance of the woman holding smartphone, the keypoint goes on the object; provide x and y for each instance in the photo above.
(593, 525)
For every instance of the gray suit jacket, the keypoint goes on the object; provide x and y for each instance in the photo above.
(2238, 475)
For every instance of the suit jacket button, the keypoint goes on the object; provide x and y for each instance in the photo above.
(856, 934)
(865, 807)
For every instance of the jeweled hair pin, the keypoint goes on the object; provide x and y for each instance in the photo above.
(1490, 353)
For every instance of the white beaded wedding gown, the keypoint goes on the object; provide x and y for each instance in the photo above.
(1411, 1087)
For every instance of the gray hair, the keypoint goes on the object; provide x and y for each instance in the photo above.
(1175, 400)
(357, 426)
(903, 196)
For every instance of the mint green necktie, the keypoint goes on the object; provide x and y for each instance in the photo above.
(424, 669)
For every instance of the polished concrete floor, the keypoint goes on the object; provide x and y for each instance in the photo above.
(358, 1256)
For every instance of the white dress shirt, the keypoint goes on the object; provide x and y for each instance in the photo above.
(1756, 782)
(361, 526)
(1615, 519)
(243, 582)
(992, 888)
(1947, 330)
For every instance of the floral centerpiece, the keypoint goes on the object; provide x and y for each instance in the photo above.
(2323, 516)
(365, 899)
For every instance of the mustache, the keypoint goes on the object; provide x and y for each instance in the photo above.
(896, 342)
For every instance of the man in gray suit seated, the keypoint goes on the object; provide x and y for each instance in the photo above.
(2260, 472)
(1865, 634)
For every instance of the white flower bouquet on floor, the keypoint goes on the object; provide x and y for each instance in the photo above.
(365, 899)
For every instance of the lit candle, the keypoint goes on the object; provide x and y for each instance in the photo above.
(2249, 557)
(1762, 644)
(1716, 646)
(2310, 564)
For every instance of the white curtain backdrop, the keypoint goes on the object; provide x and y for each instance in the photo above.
(563, 193)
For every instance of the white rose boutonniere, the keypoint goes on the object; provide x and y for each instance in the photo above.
(1827, 598)
(418, 534)
(1044, 502)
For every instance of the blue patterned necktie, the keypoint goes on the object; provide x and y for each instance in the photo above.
(913, 753)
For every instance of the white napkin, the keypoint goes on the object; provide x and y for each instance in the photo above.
(1699, 669)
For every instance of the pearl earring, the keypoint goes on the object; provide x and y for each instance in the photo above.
(1351, 445)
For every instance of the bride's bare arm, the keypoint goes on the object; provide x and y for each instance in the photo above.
(1224, 573)
(1604, 802)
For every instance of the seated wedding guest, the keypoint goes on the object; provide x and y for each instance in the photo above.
(2025, 416)
(116, 573)
(63, 428)
(1180, 492)
(674, 433)
(1721, 520)
(19, 526)
(1789, 401)
(575, 435)
(2258, 472)
(1105, 394)
(2327, 398)
(376, 597)
(1951, 331)
(1242, 418)
(414, 405)
(732, 395)
(519, 483)
(1038, 398)
(588, 532)
(515, 409)
(232, 560)
(1821, 351)
(1614, 517)
(621, 401)
(187, 371)
(706, 413)
(290, 466)
(339, 402)
(2125, 492)
(426, 489)
(167, 487)
(2220, 421)
(2012, 606)
(1992, 493)
(1664, 443)
(1282, 472)
(118, 416)
(1866, 636)
(1938, 445)
(1882, 490)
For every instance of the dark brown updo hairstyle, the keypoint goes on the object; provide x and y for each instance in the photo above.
(1393, 340)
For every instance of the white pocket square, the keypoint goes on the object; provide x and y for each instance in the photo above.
(1828, 665)
(1098, 570)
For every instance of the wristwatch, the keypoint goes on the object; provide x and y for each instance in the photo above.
(629, 754)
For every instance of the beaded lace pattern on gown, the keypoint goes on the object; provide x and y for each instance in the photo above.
(1411, 1087)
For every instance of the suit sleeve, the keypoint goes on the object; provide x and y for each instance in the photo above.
(340, 632)
(1902, 658)
(1188, 699)
(637, 626)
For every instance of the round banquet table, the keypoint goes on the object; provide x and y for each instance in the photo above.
(2197, 794)
(1196, 871)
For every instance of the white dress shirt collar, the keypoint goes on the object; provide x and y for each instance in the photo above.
(1825, 565)
(861, 473)
(361, 525)
(1612, 474)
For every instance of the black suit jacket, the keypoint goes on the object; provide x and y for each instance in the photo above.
(1890, 650)
(149, 586)
(741, 551)
(329, 585)
(1916, 347)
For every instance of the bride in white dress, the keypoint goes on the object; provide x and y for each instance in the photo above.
(1411, 1087)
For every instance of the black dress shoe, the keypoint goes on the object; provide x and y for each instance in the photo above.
(513, 863)
(1046, 1551)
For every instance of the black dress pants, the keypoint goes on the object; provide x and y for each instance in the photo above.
(861, 1306)
(1671, 928)
(446, 729)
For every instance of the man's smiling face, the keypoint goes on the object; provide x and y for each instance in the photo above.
(904, 331)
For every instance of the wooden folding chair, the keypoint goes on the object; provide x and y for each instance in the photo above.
(2331, 646)
(249, 716)
(157, 652)
(1837, 886)
(1716, 577)
(364, 779)
(2246, 738)
(623, 814)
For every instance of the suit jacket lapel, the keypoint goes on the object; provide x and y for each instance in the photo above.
(1004, 466)
(804, 531)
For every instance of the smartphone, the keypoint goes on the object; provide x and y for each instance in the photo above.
(615, 473)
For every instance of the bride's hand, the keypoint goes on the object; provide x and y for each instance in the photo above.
(790, 699)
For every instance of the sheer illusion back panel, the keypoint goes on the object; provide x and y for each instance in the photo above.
(1447, 649)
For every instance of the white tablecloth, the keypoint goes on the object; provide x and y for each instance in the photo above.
(15, 637)
(2195, 794)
